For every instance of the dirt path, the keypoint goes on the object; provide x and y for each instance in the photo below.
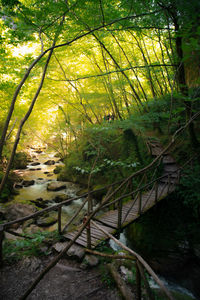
(66, 281)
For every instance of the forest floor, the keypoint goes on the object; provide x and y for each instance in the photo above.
(65, 281)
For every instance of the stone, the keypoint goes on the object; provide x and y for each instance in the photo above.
(27, 183)
(35, 163)
(126, 273)
(32, 264)
(18, 186)
(19, 210)
(60, 198)
(40, 202)
(50, 162)
(57, 170)
(74, 251)
(56, 186)
(46, 221)
(91, 260)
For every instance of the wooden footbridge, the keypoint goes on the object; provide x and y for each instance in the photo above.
(140, 201)
(124, 202)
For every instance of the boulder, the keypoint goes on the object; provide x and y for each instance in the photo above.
(27, 183)
(50, 162)
(18, 186)
(40, 202)
(46, 221)
(60, 198)
(56, 186)
(35, 163)
(19, 210)
(91, 260)
(75, 251)
(57, 170)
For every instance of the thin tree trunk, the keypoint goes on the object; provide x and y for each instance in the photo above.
(17, 139)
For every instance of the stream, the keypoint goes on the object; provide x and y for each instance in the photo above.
(39, 171)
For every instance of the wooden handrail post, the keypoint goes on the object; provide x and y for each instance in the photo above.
(140, 202)
(138, 282)
(88, 229)
(119, 214)
(1, 245)
(146, 283)
(59, 219)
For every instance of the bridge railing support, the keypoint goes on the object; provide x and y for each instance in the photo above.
(140, 202)
(88, 229)
(119, 214)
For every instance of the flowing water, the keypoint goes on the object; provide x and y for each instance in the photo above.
(43, 174)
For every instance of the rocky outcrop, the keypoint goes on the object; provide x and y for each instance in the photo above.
(46, 221)
(40, 202)
(35, 163)
(19, 210)
(60, 198)
(50, 162)
(74, 251)
(56, 186)
(27, 183)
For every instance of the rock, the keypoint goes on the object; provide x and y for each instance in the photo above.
(32, 264)
(60, 198)
(126, 273)
(18, 186)
(35, 164)
(75, 251)
(46, 221)
(49, 175)
(57, 170)
(27, 183)
(56, 186)
(91, 260)
(40, 202)
(50, 162)
(19, 210)
(46, 172)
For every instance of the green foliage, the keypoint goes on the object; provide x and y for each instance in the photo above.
(15, 250)
(20, 160)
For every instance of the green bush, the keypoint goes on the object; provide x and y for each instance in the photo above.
(20, 160)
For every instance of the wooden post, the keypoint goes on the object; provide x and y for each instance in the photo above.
(59, 219)
(89, 211)
(146, 283)
(119, 214)
(156, 192)
(138, 282)
(140, 202)
(1, 245)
